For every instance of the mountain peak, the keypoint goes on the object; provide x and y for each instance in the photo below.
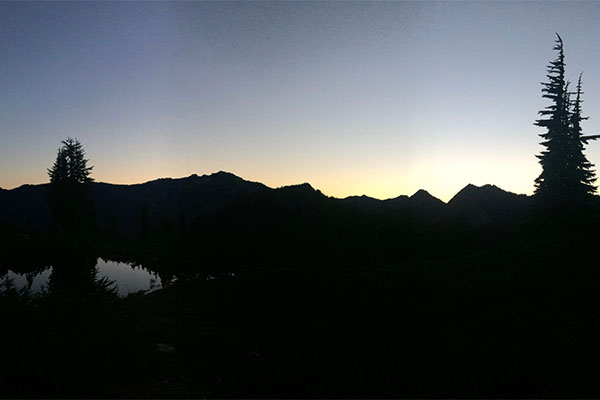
(222, 174)
(423, 197)
(421, 194)
(473, 190)
(482, 205)
(470, 188)
(300, 187)
(221, 177)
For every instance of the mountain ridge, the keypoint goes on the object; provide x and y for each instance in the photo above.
(194, 196)
(230, 175)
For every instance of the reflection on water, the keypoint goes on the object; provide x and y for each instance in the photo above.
(33, 281)
(127, 278)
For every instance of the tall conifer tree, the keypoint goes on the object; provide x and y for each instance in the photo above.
(567, 175)
(72, 207)
(71, 164)
(555, 118)
(581, 176)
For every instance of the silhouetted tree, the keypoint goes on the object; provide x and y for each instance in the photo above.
(58, 172)
(70, 164)
(566, 173)
(580, 173)
(72, 209)
(556, 121)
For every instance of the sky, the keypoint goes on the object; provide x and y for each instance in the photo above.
(372, 97)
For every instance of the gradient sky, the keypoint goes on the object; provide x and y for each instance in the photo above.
(375, 98)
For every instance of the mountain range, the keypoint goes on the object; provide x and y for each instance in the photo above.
(196, 197)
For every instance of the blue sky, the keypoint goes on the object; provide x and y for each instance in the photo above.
(376, 98)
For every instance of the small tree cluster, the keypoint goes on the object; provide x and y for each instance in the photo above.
(70, 164)
(566, 175)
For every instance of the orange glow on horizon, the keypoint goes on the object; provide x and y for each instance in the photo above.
(441, 175)
(442, 178)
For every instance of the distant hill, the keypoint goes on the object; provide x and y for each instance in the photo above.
(369, 204)
(420, 204)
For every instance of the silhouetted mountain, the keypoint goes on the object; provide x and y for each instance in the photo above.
(298, 194)
(420, 205)
(426, 207)
(371, 205)
(480, 206)
(423, 196)
(169, 200)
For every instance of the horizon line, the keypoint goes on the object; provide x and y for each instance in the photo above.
(278, 187)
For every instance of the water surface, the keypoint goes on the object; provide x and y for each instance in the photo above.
(127, 278)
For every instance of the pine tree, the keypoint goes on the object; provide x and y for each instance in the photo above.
(72, 208)
(71, 164)
(581, 176)
(553, 159)
(58, 172)
(567, 175)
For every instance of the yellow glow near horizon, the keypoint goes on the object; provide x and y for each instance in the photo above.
(382, 176)
(442, 177)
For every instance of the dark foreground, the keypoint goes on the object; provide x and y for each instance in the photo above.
(511, 321)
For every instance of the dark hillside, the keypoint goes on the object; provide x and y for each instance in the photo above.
(480, 206)
(425, 207)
